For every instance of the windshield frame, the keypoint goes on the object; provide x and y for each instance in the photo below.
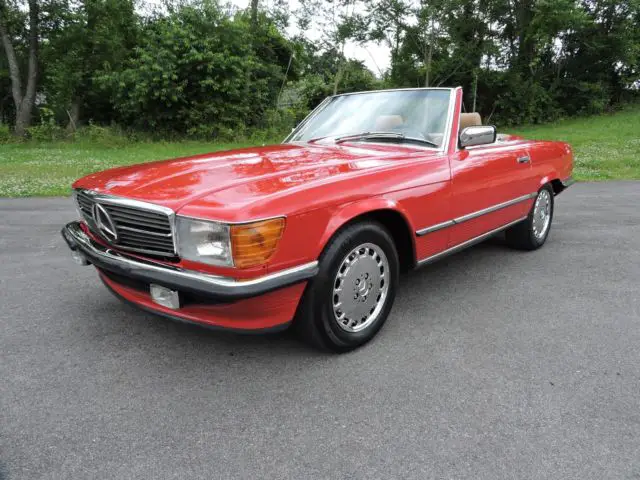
(447, 130)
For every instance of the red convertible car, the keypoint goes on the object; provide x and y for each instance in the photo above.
(314, 232)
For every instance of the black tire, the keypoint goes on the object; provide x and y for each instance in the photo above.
(522, 235)
(315, 321)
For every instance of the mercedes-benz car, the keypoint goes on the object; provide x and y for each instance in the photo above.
(314, 232)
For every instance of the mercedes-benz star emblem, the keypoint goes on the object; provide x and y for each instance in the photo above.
(104, 223)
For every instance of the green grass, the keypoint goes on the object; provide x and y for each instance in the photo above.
(605, 147)
(47, 169)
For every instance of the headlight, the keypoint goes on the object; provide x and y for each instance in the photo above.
(202, 241)
(240, 245)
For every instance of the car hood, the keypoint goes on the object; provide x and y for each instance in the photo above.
(232, 179)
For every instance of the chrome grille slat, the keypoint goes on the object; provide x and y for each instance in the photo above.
(139, 229)
(127, 237)
(136, 230)
(84, 204)
(146, 245)
(126, 218)
(125, 211)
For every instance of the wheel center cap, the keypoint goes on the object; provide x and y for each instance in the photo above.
(363, 289)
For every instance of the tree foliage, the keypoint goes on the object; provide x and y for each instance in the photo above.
(199, 70)
(203, 68)
(517, 60)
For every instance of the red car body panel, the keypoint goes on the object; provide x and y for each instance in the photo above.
(319, 188)
(261, 313)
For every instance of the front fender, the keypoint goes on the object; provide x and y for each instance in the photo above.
(347, 213)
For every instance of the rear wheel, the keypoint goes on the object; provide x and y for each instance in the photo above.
(532, 232)
(347, 303)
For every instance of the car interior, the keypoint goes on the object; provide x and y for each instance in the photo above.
(387, 123)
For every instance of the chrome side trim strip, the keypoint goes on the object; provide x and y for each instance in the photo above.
(471, 216)
(468, 243)
(225, 288)
(494, 208)
(435, 228)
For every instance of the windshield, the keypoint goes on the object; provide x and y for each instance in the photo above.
(411, 114)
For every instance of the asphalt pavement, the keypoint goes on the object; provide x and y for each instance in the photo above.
(494, 364)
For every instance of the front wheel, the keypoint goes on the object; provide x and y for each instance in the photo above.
(532, 232)
(347, 303)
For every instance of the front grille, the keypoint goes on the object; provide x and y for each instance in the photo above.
(138, 229)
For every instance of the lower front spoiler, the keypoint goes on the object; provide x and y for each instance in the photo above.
(217, 288)
(277, 321)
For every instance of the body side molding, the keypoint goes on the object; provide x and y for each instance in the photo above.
(468, 243)
(479, 213)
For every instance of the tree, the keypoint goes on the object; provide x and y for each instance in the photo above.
(196, 71)
(90, 37)
(23, 100)
(254, 13)
(337, 23)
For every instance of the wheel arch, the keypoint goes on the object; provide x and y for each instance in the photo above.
(385, 212)
(552, 178)
(557, 186)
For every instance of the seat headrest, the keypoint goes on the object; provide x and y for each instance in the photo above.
(388, 122)
(470, 120)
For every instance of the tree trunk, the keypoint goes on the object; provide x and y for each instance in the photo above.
(14, 69)
(254, 12)
(341, 69)
(23, 103)
(74, 115)
(339, 75)
(429, 54)
(526, 41)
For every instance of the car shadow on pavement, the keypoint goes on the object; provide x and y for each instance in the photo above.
(438, 279)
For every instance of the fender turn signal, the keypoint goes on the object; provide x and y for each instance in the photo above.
(255, 243)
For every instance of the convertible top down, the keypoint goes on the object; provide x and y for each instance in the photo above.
(315, 231)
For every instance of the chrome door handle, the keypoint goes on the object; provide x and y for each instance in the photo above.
(524, 159)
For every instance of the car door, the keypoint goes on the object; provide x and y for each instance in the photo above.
(490, 189)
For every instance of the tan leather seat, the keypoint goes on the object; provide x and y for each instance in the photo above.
(470, 120)
(384, 123)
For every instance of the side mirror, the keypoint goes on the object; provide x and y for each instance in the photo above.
(480, 135)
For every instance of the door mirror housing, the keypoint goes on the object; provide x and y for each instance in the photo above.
(478, 135)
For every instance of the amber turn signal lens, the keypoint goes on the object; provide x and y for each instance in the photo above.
(255, 243)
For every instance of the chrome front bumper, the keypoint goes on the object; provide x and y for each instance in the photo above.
(217, 287)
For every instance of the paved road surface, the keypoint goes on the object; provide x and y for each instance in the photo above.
(494, 364)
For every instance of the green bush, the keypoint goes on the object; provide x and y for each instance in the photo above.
(111, 136)
(197, 73)
(5, 134)
(46, 132)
